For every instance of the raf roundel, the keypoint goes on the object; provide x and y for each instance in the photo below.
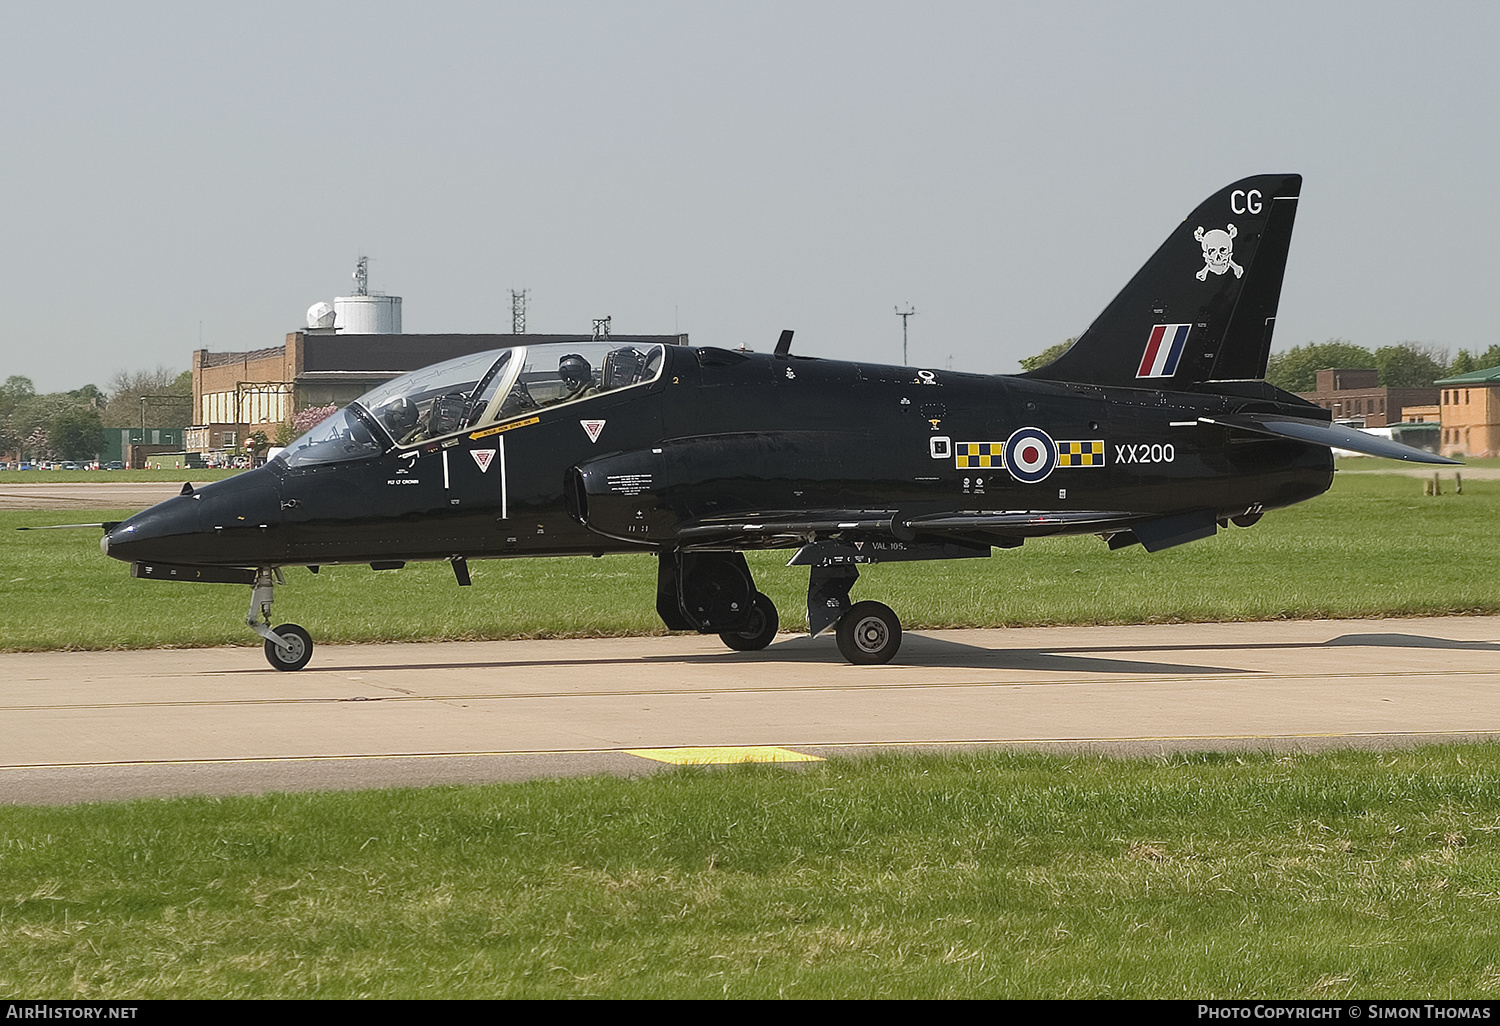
(1030, 455)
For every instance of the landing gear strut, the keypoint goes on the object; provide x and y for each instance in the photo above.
(869, 633)
(712, 592)
(288, 647)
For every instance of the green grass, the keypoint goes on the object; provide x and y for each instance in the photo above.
(13, 477)
(1329, 876)
(1372, 546)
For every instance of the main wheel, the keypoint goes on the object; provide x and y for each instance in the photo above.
(300, 652)
(869, 633)
(759, 632)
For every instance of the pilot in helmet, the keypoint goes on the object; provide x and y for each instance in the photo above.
(399, 416)
(577, 376)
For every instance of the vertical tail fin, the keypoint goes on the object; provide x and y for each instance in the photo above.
(1203, 307)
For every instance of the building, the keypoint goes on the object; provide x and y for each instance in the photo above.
(1471, 413)
(131, 446)
(1357, 395)
(235, 394)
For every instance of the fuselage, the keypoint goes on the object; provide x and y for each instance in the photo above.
(718, 433)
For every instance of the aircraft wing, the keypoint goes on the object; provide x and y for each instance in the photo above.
(775, 530)
(1334, 436)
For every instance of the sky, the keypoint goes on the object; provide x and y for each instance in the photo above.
(185, 174)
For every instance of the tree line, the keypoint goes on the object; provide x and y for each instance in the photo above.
(1403, 365)
(68, 425)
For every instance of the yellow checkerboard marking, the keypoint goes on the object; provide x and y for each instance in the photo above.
(1081, 454)
(721, 756)
(974, 455)
(983, 455)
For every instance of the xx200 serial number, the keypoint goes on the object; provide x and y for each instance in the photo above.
(1146, 453)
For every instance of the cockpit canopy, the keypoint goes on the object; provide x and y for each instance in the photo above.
(471, 392)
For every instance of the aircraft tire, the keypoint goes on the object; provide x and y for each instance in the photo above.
(761, 630)
(869, 633)
(302, 648)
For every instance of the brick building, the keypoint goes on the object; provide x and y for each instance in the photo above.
(1357, 395)
(1471, 413)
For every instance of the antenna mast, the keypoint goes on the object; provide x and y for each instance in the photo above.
(904, 314)
(518, 311)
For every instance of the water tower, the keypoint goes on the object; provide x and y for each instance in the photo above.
(366, 312)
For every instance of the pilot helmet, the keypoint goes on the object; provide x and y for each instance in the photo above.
(399, 415)
(575, 370)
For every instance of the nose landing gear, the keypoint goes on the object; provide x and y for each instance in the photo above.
(288, 647)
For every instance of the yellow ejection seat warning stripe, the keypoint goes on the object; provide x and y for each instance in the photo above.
(505, 427)
(721, 756)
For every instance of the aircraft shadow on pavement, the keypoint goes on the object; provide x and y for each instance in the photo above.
(1411, 641)
(916, 651)
(1353, 640)
(920, 650)
(923, 651)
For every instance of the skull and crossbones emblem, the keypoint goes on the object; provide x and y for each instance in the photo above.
(1218, 251)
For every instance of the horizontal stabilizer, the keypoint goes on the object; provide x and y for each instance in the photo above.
(1335, 436)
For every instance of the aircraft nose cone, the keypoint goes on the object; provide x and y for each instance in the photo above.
(234, 522)
(154, 534)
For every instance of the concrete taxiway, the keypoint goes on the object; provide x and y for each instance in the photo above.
(124, 494)
(80, 726)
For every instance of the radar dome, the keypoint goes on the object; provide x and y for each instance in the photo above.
(320, 315)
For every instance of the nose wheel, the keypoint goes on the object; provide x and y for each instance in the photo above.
(288, 647)
(295, 649)
(869, 633)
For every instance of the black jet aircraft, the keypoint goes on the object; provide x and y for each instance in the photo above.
(1154, 428)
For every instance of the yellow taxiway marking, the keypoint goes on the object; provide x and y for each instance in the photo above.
(689, 756)
(721, 756)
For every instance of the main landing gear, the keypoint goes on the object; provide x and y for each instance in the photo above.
(759, 630)
(869, 633)
(288, 647)
(713, 593)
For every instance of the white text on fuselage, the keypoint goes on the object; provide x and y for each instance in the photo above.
(1153, 452)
